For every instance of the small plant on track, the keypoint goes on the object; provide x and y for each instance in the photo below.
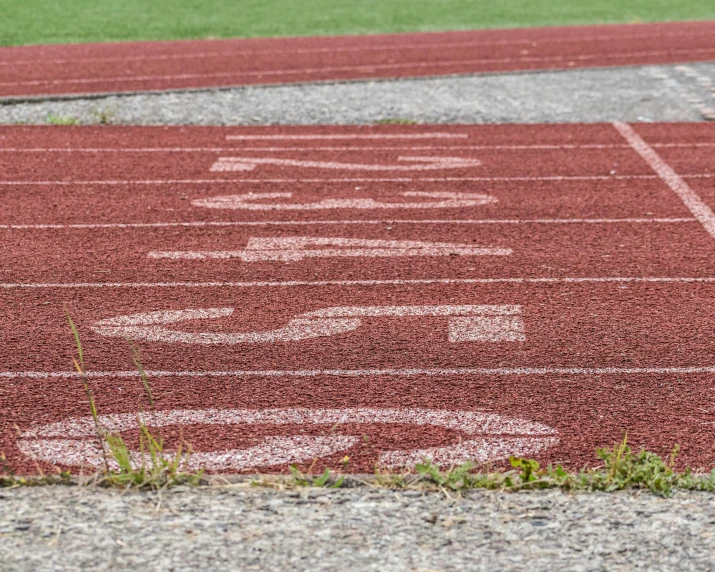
(324, 480)
(155, 467)
(9, 479)
(621, 468)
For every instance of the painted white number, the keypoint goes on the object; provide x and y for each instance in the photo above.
(418, 164)
(250, 201)
(296, 248)
(465, 324)
(486, 436)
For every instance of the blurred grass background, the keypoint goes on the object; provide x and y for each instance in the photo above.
(65, 21)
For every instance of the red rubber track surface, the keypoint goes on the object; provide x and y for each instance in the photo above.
(610, 265)
(123, 67)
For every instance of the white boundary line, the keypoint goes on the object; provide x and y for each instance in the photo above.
(367, 68)
(351, 180)
(690, 198)
(200, 224)
(343, 180)
(400, 372)
(351, 149)
(365, 48)
(396, 282)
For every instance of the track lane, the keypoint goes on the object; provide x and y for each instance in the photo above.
(604, 326)
(576, 325)
(573, 327)
(96, 68)
(34, 136)
(307, 202)
(586, 411)
(342, 252)
(331, 165)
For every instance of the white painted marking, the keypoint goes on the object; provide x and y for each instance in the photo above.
(478, 450)
(334, 136)
(487, 329)
(690, 198)
(248, 201)
(411, 311)
(392, 221)
(293, 249)
(368, 68)
(420, 164)
(281, 181)
(397, 282)
(270, 451)
(397, 372)
(489, 437)
(319, 323)
(146, 327)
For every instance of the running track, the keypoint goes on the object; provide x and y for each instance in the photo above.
(384, 293)
(127, 67)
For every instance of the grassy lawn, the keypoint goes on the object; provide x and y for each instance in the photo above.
(63, 21)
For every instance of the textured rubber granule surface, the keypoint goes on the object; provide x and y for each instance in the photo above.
(138, 66)
(385, 293)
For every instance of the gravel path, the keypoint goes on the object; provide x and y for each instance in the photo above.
(240, 528)
(649, 93)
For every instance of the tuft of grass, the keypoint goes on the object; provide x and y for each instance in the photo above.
(9, 479)
(105, 116)
(156, 468)
(396, 121)
(622, 468)
(62, 119)
(324, 480)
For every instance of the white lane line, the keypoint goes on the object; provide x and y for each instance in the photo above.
(296, 248)
(200, 224)
(398, 372)
(396, 282)
(339, 49)
(690, 198)
(281, 181)
(360, 68)
(350, 148)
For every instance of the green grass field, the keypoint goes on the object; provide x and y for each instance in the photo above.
(63, 21)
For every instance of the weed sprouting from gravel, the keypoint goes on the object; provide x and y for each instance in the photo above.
(105, 116)
(325, 479)
(53, 119)
(396, 121)
(622, 468)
